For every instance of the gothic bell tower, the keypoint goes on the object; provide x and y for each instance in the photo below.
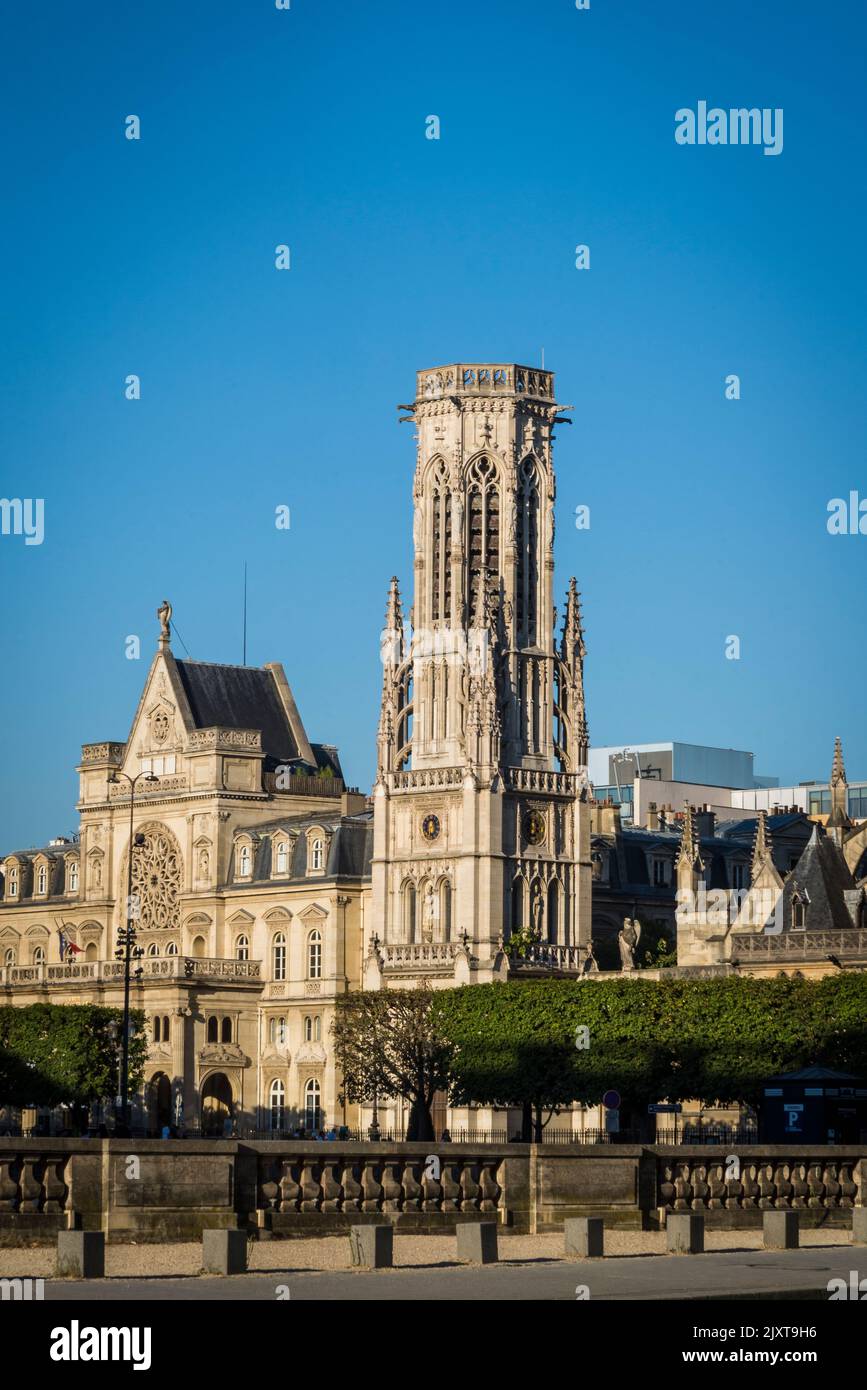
(481, 818)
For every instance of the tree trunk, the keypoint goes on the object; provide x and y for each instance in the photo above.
(537, 1125)
(526, 1123)
(419, 1127)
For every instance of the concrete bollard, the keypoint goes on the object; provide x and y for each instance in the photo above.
(371, 1247)
(80, 1255)
(859, 1225)
(584, 1237)
(780, 1230)
(477, 1243)
(685, 1233)
(224, 1252)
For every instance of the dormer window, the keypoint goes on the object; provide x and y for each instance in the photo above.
(245, 860)
(282, 857)
(73, 876)
(41, 881)
(12, 886)
(317, 855)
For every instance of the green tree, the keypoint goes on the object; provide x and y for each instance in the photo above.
(53, 1053)
(387, 1044)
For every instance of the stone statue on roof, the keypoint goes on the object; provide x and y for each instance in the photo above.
(164, 613)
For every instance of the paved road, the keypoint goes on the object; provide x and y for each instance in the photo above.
(741, 1274)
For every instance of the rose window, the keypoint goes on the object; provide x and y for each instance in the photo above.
(156, 877)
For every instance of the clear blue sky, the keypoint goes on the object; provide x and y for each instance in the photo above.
(259, 126)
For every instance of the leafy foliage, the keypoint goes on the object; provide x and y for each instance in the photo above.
(51, 1053)
(715, 1040)
(387, 1044)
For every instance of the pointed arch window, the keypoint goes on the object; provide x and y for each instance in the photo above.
(441, 544)
(527, 540)
(446, 909)
(553, 912)
(483, 523)
(409, 911)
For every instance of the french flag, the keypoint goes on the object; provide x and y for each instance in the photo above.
(66, 944)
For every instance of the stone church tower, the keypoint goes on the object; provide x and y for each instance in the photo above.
(481, 813)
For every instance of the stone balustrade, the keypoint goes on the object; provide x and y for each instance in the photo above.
(293, 1187)
(152, 968)
(342, 1180)
(792, 1183)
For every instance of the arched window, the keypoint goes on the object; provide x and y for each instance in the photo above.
(158, 1029)
(278, 952)
(166, 1029)
(73, 876)
(312, 1111)
(12, 886)
(553, 911)
(153, 949)
(446, 910)
(527, 540)
(518, 894)
(198, 947)
(440, 545)
(38, 955)
(314, 955)
(409, 911)
(226, 1031)
(282, 857)
(312, 1028)
(242, 947)
(308, 1029)
(317, 1028)
(9, 957)
(244, 861)
(171, 949)
(317, 854)
(213, 1029)
(483, 523)
(277, 1031)
(277, 1103)
(41, 879)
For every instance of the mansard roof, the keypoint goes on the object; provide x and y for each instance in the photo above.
(239, 697)
(350, 847)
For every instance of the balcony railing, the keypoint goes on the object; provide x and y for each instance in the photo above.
(152, 968)
(801, 945)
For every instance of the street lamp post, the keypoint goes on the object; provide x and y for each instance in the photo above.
(127, 950)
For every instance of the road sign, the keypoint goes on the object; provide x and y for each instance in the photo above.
(611, 1100)
(676, 1109)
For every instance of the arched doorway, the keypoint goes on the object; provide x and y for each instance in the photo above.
(217, 1104)
(159, 1101)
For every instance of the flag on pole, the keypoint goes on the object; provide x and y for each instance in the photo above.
(66, 944)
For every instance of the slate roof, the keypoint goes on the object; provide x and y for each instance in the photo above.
(349, 853)
(824, 875)
(238, 697)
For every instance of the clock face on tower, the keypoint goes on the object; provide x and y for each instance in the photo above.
(534, 827)
(430, 827)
